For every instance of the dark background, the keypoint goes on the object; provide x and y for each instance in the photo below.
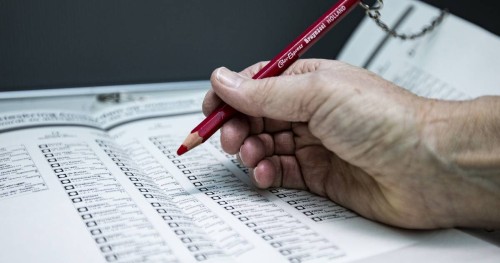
(75, 43)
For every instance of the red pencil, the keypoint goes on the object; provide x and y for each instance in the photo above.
(274, 68)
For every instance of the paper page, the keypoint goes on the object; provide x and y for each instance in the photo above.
(107, 186)
(60, 198)
(458, 60)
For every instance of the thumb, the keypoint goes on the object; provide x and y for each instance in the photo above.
(287, 98)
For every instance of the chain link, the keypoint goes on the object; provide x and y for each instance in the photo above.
(374, 13)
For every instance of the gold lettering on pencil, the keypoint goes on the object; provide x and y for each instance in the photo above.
(290, 55)
(335, 14)
(281, 62)
(315, 33)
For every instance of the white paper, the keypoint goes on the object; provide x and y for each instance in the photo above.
(91, 182)
(456, 61)
(107, 186)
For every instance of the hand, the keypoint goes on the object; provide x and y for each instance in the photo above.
(347, 134)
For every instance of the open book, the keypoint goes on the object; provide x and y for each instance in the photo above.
(103, 184)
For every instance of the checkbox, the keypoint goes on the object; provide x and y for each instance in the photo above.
(61, 176)
(77, 200)
(156, 204)
(200, 257)
(82, 209)
(259, 231)
(111, 258)
(91, 223)
(106, 249)
(193, 248)
(100, 240)
(276, 244)
(95, 232)
(87, 216)
(267, 237)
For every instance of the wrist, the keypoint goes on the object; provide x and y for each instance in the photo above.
(464, 136)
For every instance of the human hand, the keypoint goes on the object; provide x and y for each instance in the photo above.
(344, 133)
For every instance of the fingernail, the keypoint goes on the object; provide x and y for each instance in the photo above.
(229, 78)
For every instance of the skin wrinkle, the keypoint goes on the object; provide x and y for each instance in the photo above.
(430, 152)
(320, 114)
(291, 168)
(278, 181)
(317, 110)
(264, 94)
(369, 145)
(269, 144)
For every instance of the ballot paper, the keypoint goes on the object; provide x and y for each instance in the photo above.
(102, 182)
(107, 186)
(456, 61)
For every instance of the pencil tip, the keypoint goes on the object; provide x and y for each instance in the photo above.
(182, 150)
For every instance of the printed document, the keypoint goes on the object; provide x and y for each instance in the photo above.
(104, 184)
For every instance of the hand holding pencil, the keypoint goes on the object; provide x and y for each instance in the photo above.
(274, 68)
(344, 133)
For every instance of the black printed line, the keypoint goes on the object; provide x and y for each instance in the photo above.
(149, 118)
(384, 41)
(48, 126)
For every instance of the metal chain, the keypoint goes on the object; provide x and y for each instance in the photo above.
(374, 13)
